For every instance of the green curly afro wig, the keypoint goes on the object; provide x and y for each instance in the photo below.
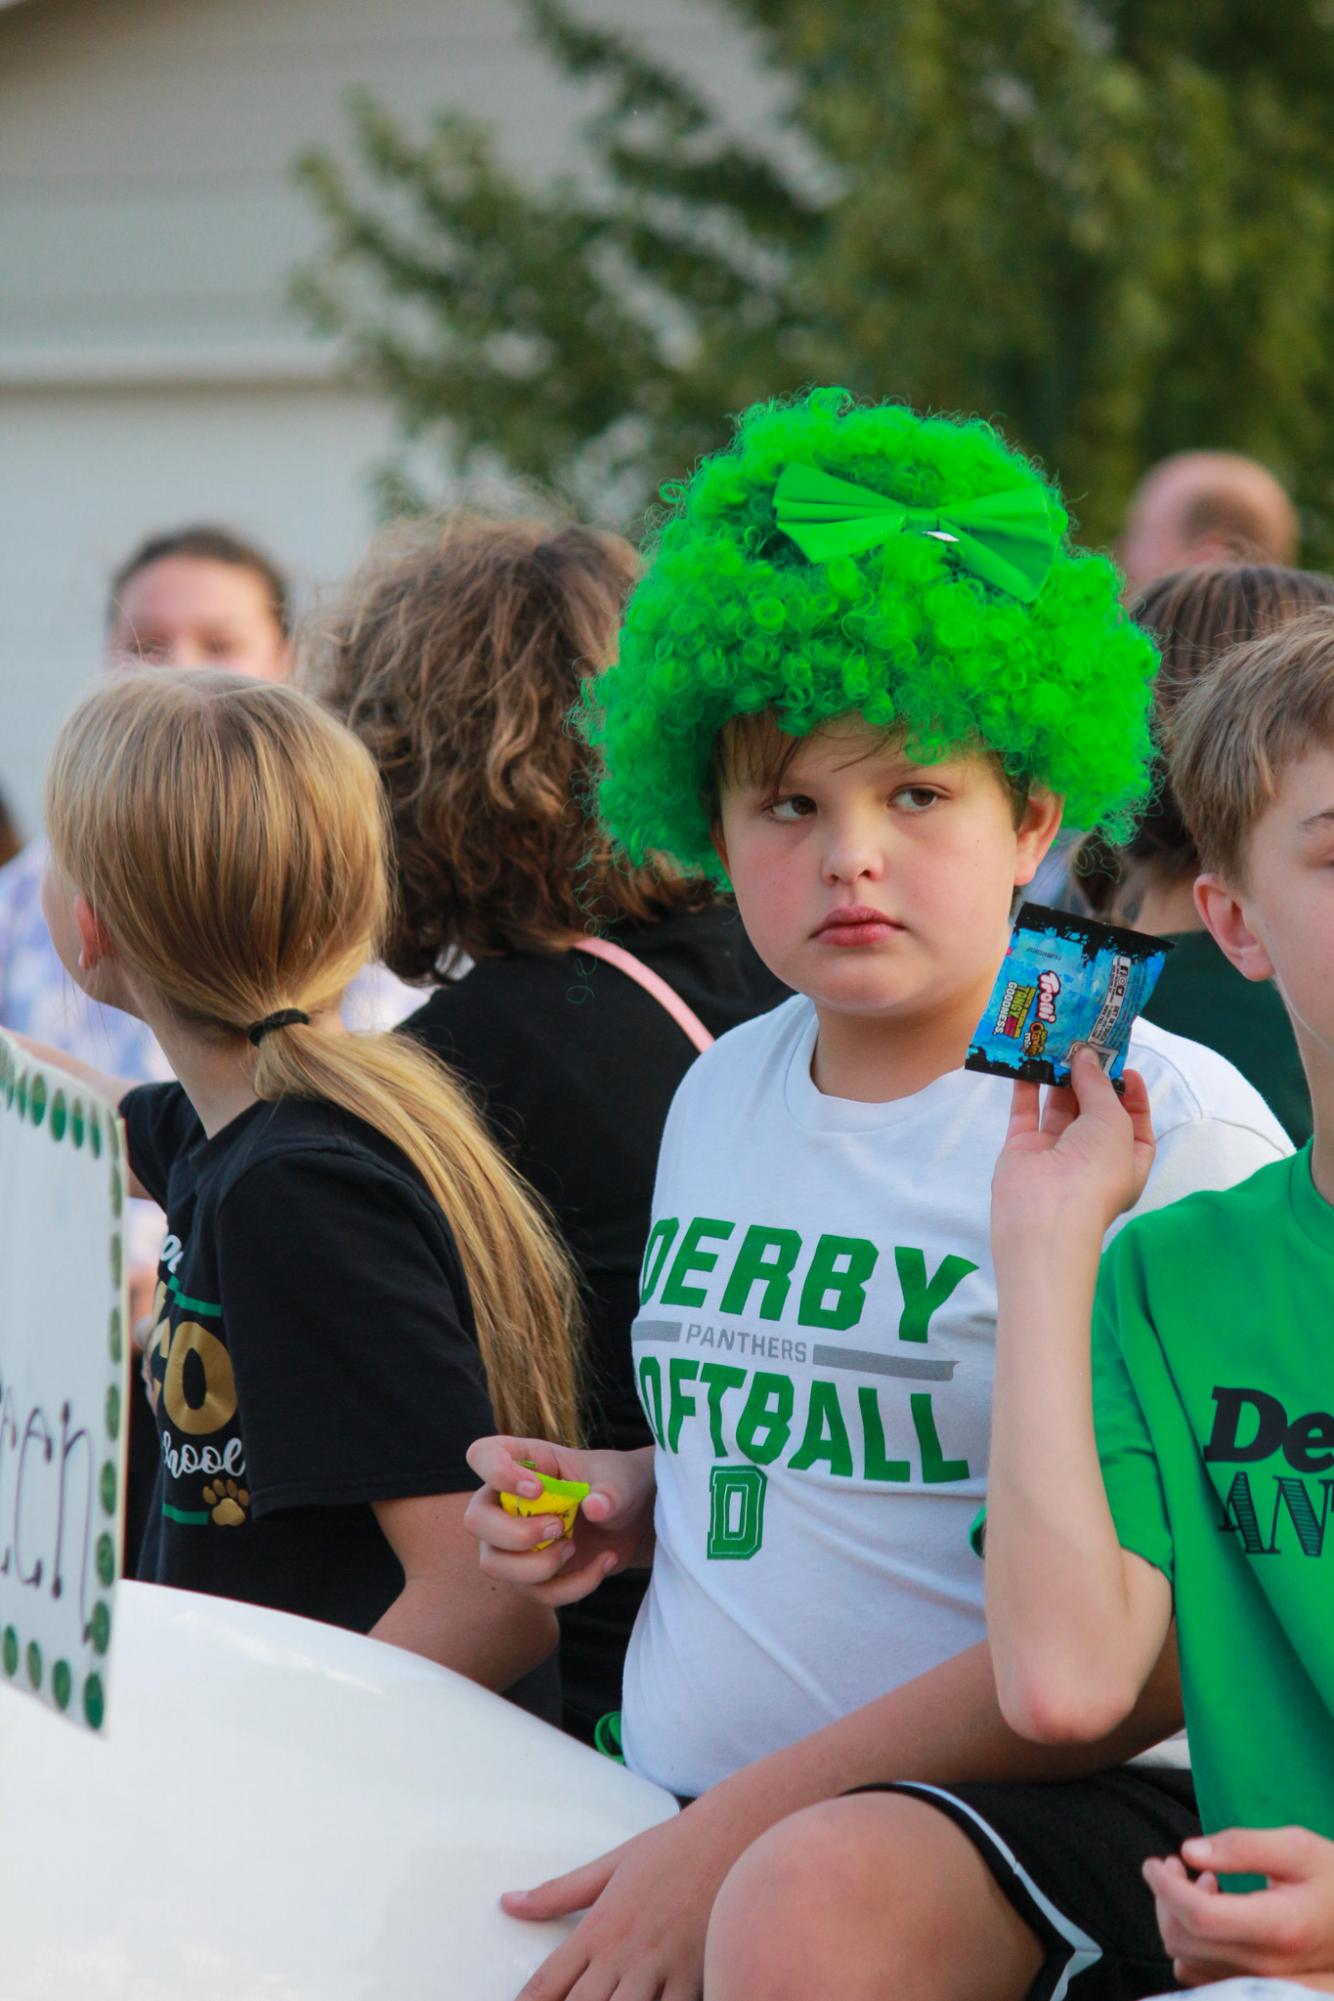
(730, 619)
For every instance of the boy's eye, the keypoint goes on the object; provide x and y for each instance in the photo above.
(916, 798)
(796, 806)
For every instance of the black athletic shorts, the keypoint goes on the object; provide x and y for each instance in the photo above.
(1068, 1858)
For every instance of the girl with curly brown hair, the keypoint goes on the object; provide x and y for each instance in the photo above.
(456, 656)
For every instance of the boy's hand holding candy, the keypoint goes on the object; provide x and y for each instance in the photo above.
(542, 1553)
(1073, 1164)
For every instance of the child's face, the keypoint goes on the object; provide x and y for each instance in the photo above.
(876, 885)
(1279, 924)
(192, 611)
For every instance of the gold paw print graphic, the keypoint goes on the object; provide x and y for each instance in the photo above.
(228, 1502)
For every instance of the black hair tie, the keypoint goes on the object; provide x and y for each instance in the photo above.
(284, 1018)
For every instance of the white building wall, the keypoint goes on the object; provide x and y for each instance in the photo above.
(150, 369)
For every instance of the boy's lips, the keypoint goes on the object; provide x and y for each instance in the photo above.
(856, 924)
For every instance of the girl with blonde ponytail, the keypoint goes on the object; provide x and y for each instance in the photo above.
(354, 1284)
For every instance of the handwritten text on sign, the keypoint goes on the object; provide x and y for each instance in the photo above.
(63, 1412)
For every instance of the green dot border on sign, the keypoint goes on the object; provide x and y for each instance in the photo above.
(99, 1626)
(67, 1684)
(94, 1701)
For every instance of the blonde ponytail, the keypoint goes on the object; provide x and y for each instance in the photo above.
(231, 838)
(523, 1293)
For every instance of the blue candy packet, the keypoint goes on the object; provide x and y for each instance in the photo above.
(1064, 981)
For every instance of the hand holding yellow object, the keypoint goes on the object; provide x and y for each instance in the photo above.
(560, 1498)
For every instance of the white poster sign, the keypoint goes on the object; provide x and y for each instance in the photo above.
(63, 1389)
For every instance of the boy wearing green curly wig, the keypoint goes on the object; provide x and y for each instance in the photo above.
(861, 674)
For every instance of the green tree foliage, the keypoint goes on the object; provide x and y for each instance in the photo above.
(1107, 223)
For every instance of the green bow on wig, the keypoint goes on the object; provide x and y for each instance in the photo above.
(1007, 539)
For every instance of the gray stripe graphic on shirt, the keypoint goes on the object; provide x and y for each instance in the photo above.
(864, 1364)
(656, 1330)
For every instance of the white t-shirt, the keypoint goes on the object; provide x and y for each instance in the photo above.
(815, 1351)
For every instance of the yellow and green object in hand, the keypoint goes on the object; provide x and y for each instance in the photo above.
(559, 1498)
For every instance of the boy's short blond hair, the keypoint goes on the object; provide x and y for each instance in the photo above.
(1264, 706)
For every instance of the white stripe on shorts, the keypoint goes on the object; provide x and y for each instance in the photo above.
(1084, 1953)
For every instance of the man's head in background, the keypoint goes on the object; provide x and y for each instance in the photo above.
(1205, 507)
(201, 597)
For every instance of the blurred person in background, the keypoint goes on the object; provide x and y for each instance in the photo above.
(10, 838)
(1205, 508)
(1194, 509)
(200, 597)
(196, 597)
(456, 655)
(1196, 615)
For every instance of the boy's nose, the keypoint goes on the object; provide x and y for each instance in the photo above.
(850, 859)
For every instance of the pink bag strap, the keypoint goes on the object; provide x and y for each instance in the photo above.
(667, 997)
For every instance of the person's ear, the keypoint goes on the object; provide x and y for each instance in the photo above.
(1224, 917)
(94, 942)
(1038, 827)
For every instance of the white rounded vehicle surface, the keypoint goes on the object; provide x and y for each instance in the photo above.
(279, 1811)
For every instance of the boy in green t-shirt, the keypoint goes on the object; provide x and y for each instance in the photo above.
(1188, 1471)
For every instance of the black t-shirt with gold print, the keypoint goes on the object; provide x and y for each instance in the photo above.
(313, 1351)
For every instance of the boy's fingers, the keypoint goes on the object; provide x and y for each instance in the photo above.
(553, 1576)
(1092, 1086)
(1135, 1101)
(1135, 1097)
(512, 1534)
(1060, 1110)
(499, 1462)
(1159, 1867)
(1023, 1110)
(556, 1976)
(1284, 1853)
(560, 1895)
(1209, 1922)
(576, 1581)
(526, 1567)
(606, 1502)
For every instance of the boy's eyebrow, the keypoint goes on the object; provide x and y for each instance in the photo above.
(1314, 819)
(790, 779)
